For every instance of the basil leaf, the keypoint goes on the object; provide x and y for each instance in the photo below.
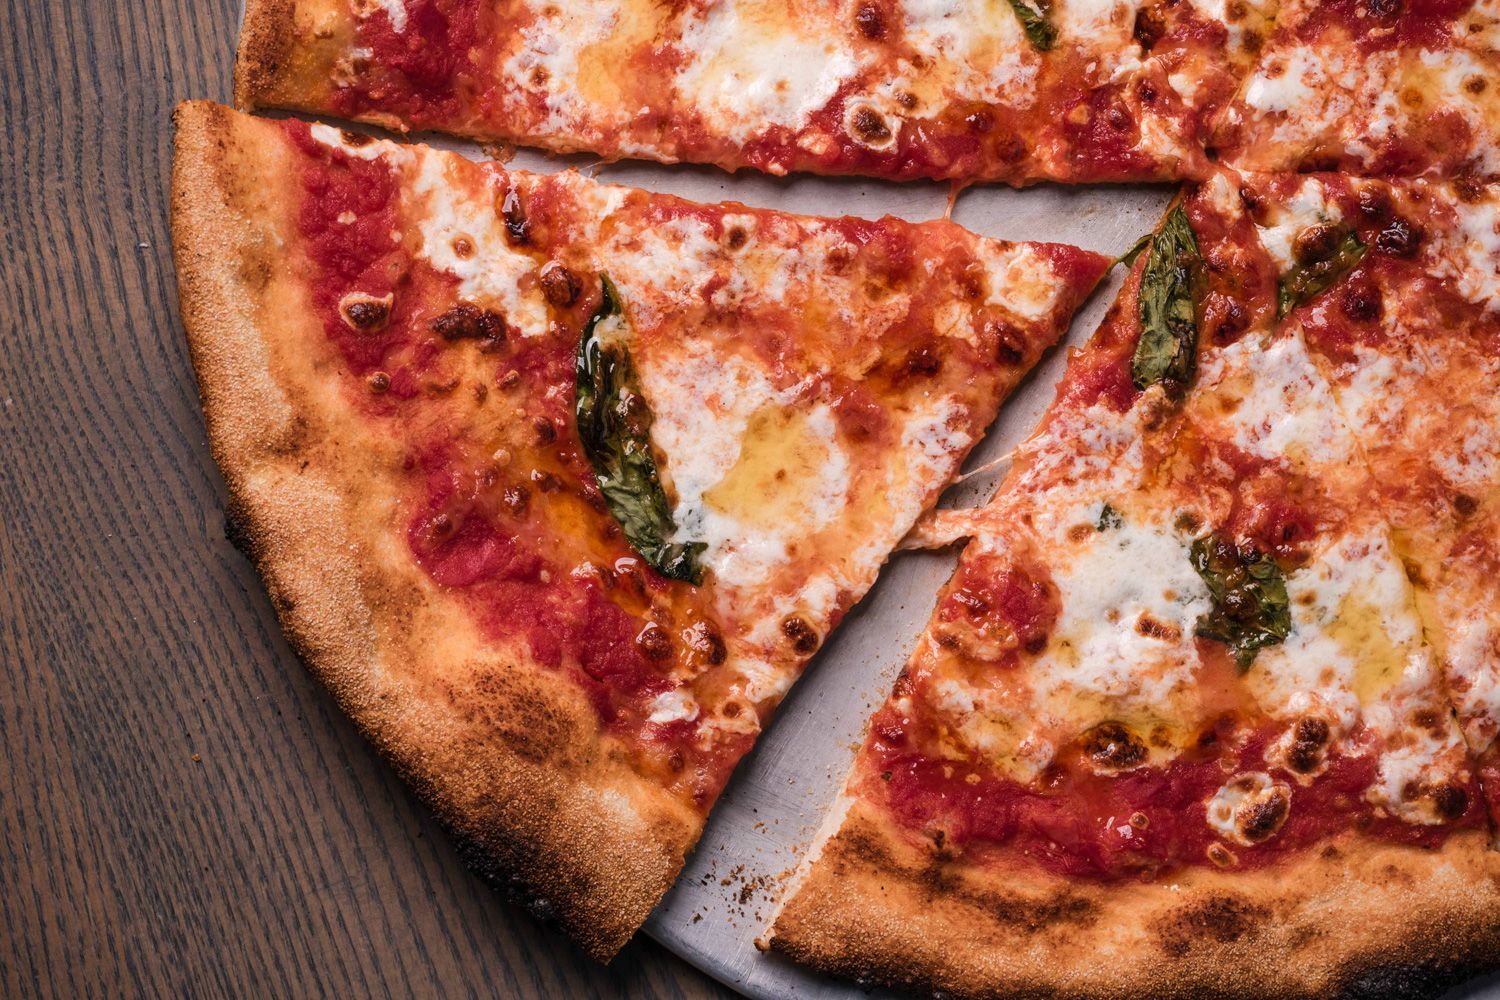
(614, 424)
(1251, 608)
(1128, 257)
(1309, 279)
(1109, 519)
(1168, 349)
(1039, 31)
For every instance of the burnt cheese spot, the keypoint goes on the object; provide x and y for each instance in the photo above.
(559, 285)
(1362, 302)
(1308, 740)
(1111, 745)
(870, 21)
(365, 313)
(1399, 238)
(799, 633)
(654, 642)
(469, 322)
(704, 640)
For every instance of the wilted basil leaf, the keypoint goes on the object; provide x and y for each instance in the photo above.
(1251, 608)
(614, 425)
(1039, 31)
(1310, 278)
(1167, 352)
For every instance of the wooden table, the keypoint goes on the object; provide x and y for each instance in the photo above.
(183, 811)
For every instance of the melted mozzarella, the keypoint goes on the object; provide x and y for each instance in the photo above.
(1468, 252)
(1129, 598)
(1227, 809)
(1356, 640)
(726, 433)
(751, 65)
(676, 705)
(1274, 402)
(1022, 282)
(552, 50)
(1308, 207)
(490, 274)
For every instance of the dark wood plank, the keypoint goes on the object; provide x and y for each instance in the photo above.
(182, 809)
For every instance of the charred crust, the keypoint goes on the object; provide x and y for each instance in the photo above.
(1220, 919)
(267, 37)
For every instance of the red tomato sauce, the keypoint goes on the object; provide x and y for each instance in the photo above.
(502, 539)
(1140, 823)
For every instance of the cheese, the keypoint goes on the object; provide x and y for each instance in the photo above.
(490, 274)
(1356, 640)
(1249, 808)
(1129, 599)
(396, 11)
(1274, 402)
(753, 468)
(1022, 282)
(372, 150)
(1467, 252)
(1309, 206)
(1300, 83)
(964, 50)
(552, 51)
(1470, 460)
(1223, 198)
(676, 705)
(754, 65)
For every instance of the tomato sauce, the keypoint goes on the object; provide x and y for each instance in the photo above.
(1139, 823)
(505, 539)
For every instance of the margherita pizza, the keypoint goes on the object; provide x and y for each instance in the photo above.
(557, 485)
(1007, 90)
(1174, 728)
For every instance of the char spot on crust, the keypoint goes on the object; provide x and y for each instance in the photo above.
(1217, 919)
(501, 710)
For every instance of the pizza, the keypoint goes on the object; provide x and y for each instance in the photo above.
(1006, 90)
(558, 485)
(1374, 87)
(1409, 338)
(1175, 726)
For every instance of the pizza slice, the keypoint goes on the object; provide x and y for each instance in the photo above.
(1407, 330)
(1173, 728)
(1007, 90)
(558, 486)
(1380, 87)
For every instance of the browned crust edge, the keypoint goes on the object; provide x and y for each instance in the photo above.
(1357, 919)
(538, 804)
(267, 38)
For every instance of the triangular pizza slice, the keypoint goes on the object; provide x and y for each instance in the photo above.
(1174, 728)
(1008, 90)
(557, 485)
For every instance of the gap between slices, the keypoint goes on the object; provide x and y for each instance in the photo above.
(558, 485)
(1178, 698)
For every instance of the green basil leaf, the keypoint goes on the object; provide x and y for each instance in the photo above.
(1251, 609)
(1167, 352)
(1128, 257)
(1309, 279)
(614, 425)
(1109, 519)
(1039, 31)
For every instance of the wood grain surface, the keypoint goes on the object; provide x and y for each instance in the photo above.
(183, 812)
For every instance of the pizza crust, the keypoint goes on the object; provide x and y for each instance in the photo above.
(1355, 918)
(508, 754)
